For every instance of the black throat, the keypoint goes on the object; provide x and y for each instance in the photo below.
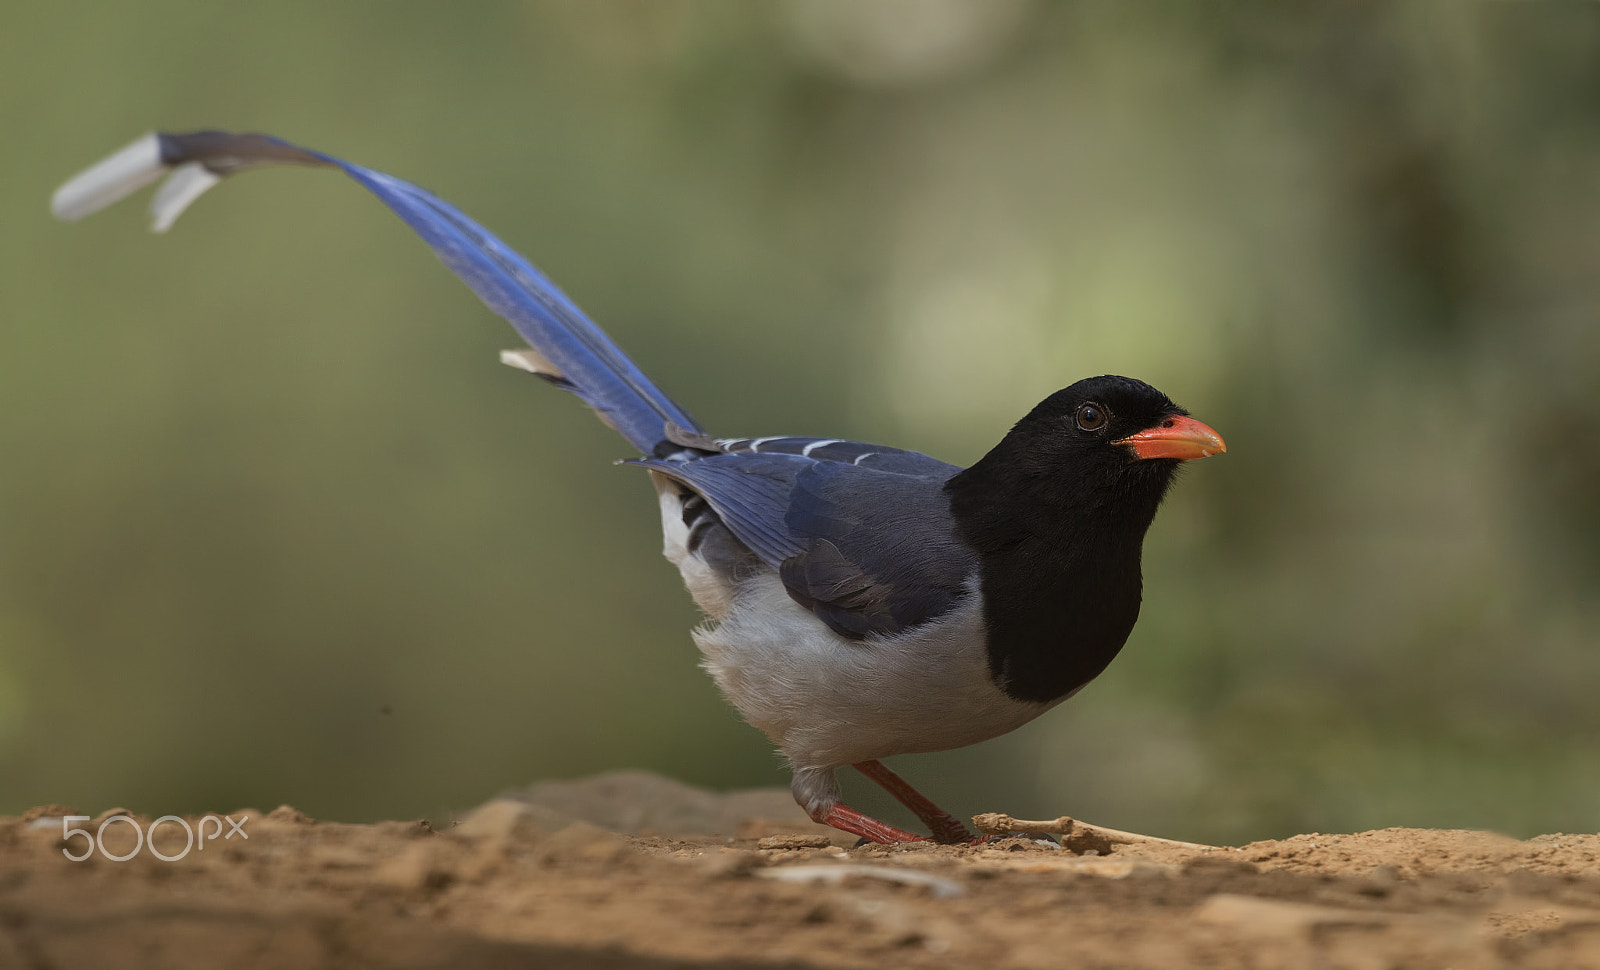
(1058, 546)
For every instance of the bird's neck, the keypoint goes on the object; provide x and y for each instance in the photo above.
(1058, 556)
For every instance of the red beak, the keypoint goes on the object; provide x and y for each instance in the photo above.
(1177, 437)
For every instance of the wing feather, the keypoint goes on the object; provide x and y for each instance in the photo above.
(871, 552)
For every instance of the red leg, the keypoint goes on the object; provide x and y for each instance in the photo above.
(848, 819)
(946, 827)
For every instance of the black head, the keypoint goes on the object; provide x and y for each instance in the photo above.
(1103, 442)
(1092, 416)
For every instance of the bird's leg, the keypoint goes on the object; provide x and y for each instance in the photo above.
(946, 828)
(849, 820)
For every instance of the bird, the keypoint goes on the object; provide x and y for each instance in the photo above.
(861, 601)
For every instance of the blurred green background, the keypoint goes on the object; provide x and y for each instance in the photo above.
(276, 527)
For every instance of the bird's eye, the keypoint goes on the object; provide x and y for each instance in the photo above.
(1091, 417)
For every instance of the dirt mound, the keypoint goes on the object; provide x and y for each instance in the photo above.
(678, 877)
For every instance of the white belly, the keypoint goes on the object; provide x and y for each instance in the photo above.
(827, 701)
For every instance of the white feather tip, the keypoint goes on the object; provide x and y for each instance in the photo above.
(188, 182)
(109, 179)
(530, 360)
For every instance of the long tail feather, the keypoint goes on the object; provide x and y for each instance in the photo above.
(570, 350)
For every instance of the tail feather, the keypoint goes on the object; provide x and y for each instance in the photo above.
(571, 350)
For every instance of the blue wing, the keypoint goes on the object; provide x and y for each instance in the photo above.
(860, 534)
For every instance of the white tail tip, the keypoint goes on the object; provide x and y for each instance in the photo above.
(530, 360)
(109, 179)
(188, 182)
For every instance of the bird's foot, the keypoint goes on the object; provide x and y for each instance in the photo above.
(947, 830)
(847, 819)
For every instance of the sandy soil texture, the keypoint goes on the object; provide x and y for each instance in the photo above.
(635, 871)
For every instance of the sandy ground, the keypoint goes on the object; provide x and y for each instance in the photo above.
(633, 870)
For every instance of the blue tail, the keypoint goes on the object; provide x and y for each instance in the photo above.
(569, 350)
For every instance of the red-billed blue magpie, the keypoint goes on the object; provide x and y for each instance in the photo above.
(862, 601)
